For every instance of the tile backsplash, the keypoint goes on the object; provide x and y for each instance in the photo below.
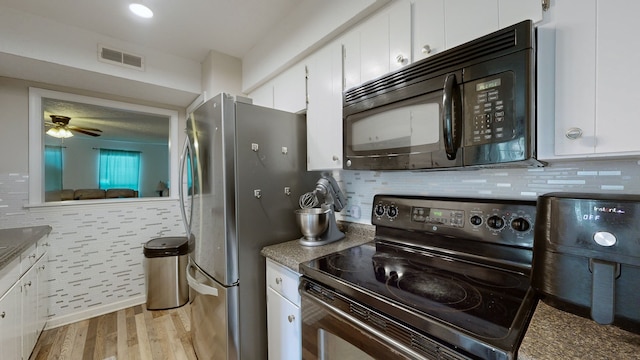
(610, 176)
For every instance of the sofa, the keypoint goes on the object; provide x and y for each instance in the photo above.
(89, 194)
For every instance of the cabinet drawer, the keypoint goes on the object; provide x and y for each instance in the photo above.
(9, 275)
(28, 258)
(283, 281)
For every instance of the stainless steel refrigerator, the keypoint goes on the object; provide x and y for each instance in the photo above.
(243, 170)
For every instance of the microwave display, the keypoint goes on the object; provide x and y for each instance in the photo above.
(489, 110)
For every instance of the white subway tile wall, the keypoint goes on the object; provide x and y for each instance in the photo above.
(96, 255)
(595, 176)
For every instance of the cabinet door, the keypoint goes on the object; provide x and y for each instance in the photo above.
(29, 284)
(617, 76)
(574, 22)
(351, 59)
(284, 328)
(466, 20)
(385, 41)
(399, 53)
(514, 11)
(10, 318)
(289, 89)
(428, 28)
(42, 269)
(324, 110)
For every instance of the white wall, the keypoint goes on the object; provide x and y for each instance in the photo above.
(221, 73)
(34, 37)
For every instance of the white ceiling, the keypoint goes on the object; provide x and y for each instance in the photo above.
(186, 28)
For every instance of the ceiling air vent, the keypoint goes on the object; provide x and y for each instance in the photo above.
(117, 57)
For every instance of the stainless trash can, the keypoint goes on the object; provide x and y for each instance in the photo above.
(165, 267)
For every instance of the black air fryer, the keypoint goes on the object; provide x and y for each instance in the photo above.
(586, 256)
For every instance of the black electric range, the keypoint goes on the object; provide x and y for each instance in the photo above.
(442, 276)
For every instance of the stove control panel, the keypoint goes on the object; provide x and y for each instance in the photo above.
(500, 220)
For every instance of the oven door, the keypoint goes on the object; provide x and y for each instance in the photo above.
(330, 333)
(414, 127)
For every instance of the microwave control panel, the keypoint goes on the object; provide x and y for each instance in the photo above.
(489, 110)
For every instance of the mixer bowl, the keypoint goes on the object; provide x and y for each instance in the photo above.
(313, 222)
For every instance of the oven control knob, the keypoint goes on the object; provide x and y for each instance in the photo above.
(520, 224)
(495, 222)
(392, 212)
(379, 210)
(476, 220)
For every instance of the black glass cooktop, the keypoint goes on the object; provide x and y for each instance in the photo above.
(479, 299)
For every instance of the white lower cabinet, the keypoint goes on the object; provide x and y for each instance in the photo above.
(284, 324)
(10, 323)
(29, 283)
(24, 306)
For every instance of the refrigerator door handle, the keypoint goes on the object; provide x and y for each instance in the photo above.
(186, 151)
(198, 286)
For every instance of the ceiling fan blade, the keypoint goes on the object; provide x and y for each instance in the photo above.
(72, 127)
(83, 131)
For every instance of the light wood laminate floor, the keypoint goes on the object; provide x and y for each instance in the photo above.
(132, 333)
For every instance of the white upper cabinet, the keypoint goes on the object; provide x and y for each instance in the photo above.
(617, 76)
(289, 89)
(514, 11)
(428, 28)
(324, 110)
(379, 45)
(593, 107)
(440, 24)
(466, 20)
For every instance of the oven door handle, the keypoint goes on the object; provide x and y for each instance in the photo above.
(451, 116)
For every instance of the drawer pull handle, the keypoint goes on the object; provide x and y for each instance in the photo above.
(3, 315)
(291, 318)
(278, 281)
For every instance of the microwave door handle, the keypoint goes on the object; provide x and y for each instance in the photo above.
(449, 107)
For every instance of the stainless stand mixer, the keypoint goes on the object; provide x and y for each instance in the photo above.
(318, 225)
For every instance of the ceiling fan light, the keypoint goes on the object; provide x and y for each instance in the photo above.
(141, 10)
(60, 133)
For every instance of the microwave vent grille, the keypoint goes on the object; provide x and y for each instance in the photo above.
(494, 45)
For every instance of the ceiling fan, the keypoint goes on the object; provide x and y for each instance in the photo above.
(59, 127)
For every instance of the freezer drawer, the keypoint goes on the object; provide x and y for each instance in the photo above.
(214, 317)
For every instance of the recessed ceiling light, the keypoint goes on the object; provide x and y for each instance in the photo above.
(141, 10)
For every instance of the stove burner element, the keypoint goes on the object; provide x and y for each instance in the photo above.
(496, 280)
(445, 294)
(344, 263)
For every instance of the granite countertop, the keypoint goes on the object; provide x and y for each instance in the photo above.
(552, 333)
(14, 242)
(291, 254)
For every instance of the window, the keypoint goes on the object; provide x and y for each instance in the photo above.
(119, 169)
(53, 168)
(120, 122)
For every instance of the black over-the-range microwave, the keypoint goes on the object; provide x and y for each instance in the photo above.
(471, 105)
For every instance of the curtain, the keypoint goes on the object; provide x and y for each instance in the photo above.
(119, 169)
(52, 168)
